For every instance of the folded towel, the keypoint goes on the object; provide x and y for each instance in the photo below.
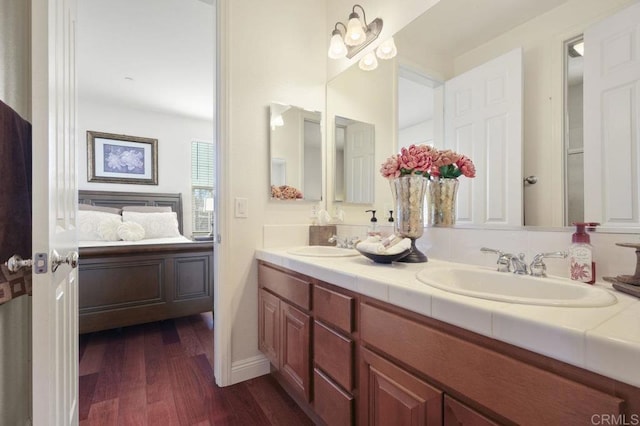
(390, 245)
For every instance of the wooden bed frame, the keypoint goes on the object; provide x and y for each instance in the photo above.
(127, 285)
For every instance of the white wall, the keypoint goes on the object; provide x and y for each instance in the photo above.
(15, 316)
(174, 134)
(282, 57)
(420, 133)
(542, 42)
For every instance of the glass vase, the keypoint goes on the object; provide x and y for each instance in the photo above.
(441, 201)
(408, 195)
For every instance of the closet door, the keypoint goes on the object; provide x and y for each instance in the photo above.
(612, 120)
(483, 120)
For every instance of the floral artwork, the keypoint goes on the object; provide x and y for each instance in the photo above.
(123, 159)
(115, 158)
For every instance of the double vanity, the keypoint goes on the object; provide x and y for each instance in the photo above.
(354, 342)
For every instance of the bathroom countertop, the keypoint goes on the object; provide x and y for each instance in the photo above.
(605, 340)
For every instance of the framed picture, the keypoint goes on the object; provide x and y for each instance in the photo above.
(121, 159)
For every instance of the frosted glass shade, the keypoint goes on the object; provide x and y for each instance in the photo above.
(355, 33)
(337, 48)
(387, 50)
(368, 62)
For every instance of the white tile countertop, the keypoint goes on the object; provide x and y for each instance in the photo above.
(605, 340)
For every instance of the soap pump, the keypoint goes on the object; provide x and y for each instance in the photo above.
(391, 216)
(374, 223)
(581, 264)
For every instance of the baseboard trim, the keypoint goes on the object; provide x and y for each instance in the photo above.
(249, 368)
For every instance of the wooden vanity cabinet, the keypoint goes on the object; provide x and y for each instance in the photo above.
(284, 326)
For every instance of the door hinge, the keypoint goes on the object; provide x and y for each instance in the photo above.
(40, 263)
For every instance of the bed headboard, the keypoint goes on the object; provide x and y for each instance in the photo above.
(121, 199)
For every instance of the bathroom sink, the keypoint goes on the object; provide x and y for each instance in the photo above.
(512, 288)
(323, 251)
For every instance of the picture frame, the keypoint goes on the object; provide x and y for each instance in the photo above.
(113, 158)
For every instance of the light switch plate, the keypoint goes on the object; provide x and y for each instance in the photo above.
(242, 207)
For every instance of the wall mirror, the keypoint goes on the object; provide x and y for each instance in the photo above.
(295, 144)
(452, 38)
(354, 160)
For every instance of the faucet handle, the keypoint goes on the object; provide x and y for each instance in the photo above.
(504, 259)
(538, 267)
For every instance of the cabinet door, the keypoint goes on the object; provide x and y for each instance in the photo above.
(295, 365)
(394, 397)
(458, 414)
(269, 326)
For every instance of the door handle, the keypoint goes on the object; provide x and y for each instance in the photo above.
(16, 262)
(70, 259)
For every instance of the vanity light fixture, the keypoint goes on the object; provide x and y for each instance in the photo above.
(368, 62)
(357, 35)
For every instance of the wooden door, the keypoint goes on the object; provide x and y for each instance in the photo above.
(295, 365)
(390, 396)
(269, 326)
(55, 296)
(612, 120)
(483, 120)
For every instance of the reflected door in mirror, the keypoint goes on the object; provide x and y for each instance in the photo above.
(355, 161)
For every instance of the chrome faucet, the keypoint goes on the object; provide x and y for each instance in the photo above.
(538, 268)
(345, 243)
(504, 259)
(518, 264)
(508, 262)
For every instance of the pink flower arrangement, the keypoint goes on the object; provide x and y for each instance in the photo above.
(427, 161)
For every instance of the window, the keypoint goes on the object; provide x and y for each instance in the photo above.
(202, 185)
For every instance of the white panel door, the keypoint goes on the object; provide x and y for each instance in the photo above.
(55, 306)
(483, 120)
(612, 119)
(359, 163)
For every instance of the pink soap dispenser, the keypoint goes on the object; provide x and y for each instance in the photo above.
(581, 264)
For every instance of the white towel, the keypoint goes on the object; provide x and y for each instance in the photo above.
(376, 245)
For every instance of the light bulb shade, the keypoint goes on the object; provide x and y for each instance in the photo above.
(355, 35)
(337, 48)
(387, 49)
(368, 62)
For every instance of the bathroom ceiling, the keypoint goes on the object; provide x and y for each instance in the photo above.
(148, 54)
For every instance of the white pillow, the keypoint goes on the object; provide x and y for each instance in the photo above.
(89, 221)
(156, 225)
(108, 229)
(130, 231)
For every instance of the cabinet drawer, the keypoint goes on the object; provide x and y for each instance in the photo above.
(289, 287)
(331, 403)
(333, 354)
(333, 308)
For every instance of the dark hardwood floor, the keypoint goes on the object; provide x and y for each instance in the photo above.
(162, 374)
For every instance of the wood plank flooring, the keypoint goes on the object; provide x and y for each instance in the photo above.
(162, 374)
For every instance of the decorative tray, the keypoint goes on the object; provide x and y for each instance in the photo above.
(384, 258)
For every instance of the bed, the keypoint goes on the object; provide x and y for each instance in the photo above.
(122, 284)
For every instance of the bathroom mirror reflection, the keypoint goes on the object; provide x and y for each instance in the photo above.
(354, 160)
(450, 39)
(295, 153)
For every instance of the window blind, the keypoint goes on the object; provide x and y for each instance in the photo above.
(202, 184)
